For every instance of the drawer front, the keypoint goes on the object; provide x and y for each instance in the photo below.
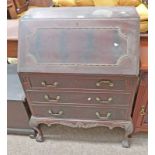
(104, 98)
(48, 81)
(79, 112)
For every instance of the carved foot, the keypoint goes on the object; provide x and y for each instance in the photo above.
(38, 133)
(39, 138)
(125, 143)
(128, 131)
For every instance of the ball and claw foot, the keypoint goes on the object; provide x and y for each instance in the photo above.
(39, 138)
(125, 143)
(128, 131)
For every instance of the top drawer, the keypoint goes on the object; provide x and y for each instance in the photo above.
(62, 81)
(90, 40)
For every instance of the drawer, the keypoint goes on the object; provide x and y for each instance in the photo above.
(79, 112)
(59, 81)
(68, 97)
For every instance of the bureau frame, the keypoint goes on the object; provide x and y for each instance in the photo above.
(80, 86)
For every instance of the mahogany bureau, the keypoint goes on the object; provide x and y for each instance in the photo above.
(79, 66)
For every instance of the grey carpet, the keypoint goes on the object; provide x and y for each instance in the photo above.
(61, 140)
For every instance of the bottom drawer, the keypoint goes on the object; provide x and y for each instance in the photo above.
(79, 112)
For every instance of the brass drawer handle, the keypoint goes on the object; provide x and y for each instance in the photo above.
(49, 99)
(142, 111)
(108, 115)
(55, 114)
(103, 82)
(55, 84)
(104, 101)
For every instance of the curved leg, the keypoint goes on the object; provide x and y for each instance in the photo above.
(128, 131)
(38, 133)
(39, 137)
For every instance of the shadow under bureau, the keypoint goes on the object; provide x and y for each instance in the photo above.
(79, 66)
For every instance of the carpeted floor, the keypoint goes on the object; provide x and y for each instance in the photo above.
(60, 140)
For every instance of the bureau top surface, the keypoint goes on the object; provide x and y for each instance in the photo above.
(81, 12)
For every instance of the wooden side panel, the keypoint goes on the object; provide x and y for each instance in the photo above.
(40, 3)
(12, 48)
(141, 107)
(17, 116)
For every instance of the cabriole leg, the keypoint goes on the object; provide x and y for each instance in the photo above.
(128, 131)
(38, 133)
